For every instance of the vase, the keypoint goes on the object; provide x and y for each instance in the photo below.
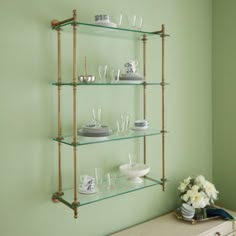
(200, 213)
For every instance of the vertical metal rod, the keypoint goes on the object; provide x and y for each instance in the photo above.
(163, 105)
(75, 116)
(59, 111)
(144, 39)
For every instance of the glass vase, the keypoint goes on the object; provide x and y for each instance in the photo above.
(200, 213)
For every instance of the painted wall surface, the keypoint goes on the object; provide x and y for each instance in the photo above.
(224, 114)
(28, 156)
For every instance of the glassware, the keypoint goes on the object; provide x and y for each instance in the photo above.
(97, 116)
(102, 71)
(132, 21)
(132, 159)
(122, 125)
(139, 23)
(99, 177)
(120, 21)
(115, 75)
(111, 180)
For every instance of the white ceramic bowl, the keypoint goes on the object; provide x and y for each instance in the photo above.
(135, 171)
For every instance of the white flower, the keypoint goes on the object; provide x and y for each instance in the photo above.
(185, 197)
(195, 188)
(197, 192)
(210, 190)
(199, 200)
(183, 185)
(200, 180)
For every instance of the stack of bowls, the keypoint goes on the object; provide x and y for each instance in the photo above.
(187, 211)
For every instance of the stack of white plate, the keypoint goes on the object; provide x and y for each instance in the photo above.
(187, 211)
(95, 131)
(131, 78)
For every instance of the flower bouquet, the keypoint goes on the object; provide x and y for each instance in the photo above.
(198, 193)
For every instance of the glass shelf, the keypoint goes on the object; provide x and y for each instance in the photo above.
(122, 186)
(104, 84)
(88, 140)
(88, 28)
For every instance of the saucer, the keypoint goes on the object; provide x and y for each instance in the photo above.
(107, 24)
(141, 128)
(131, 76)
(130, 81)
(88, 192)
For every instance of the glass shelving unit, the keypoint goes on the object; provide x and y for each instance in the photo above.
(71, 197)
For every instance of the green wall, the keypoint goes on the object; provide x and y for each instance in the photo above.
(224, 114)
(28, 174)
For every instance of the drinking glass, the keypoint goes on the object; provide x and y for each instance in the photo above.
(115, 75)
(139, 23)
(99, 177)
(111, 180)
(102, 71)
(122, 125)
(97, 114)
(132, 21)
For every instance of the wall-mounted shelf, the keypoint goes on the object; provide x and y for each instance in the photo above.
(71, 197)
(88, 140)
(122, 187)
(87, 28)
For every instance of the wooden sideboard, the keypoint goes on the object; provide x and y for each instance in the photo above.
(169, 225)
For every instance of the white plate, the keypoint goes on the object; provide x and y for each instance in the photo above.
(94, 135)
(140, 128)
(107, 24)
(131, 75)
(129, 82)
(93, 139)
(88, 192)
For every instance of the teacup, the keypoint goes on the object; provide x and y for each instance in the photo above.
(86, 179)
(131, 66)
(87, 187)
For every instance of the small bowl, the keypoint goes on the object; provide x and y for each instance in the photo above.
(86, 78)
(135, 171)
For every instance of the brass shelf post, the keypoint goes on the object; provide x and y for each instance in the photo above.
(144, 39)
(163, 105)
(59, 121)
(76, 201)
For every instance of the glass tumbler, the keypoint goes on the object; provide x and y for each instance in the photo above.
(102, 71)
